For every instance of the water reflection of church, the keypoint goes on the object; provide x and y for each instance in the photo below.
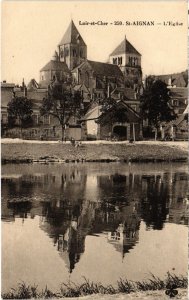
(125, 237)
(69, 211)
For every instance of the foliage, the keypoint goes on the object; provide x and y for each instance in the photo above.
(155, 103)
(115, 113)
(20, 108)
(62, 102)
(24, 291)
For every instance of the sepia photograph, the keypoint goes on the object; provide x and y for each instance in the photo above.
(94, 150)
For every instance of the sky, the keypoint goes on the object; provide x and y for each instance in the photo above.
(31, 31)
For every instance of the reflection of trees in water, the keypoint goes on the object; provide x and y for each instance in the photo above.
(68, 217)
(164, 199)
(179, 198)
(120, 188)
(59, 191)
(17, 188)
(154, 205)
(20, 209)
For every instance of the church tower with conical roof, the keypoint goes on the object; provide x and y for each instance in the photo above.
(72, 48)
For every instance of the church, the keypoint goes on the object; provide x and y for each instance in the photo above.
(120, 79)
(123, 69)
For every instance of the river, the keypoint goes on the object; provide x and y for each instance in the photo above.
(64, 222)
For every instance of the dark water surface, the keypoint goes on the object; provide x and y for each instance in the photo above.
(100, 221)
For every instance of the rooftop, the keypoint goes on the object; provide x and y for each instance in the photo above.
(55, 66)
(7, 85)
(125, 47)
(105, 69)
(72, 35)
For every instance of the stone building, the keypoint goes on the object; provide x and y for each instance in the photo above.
(129, 61)
(72, 48)
(120, 122)
(6, 95)
(99, 78)
(54, 70)
(94, 80)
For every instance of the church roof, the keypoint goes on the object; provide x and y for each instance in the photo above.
(55, 66)
(105, 69)
(125, 47)
(71, 35)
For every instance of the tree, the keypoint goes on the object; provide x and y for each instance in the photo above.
(20, 108)
(62, 102)
(155, 103)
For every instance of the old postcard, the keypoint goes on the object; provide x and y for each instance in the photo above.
(94, 140)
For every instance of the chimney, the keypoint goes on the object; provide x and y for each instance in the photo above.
(25, 91)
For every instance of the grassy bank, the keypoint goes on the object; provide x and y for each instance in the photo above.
(169, 285)
(27, 151)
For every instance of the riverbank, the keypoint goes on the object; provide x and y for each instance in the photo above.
(153, 289)
(18, 151)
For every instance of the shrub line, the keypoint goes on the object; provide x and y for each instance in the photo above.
(172, 281)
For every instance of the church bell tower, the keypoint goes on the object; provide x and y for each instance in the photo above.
(72, 48)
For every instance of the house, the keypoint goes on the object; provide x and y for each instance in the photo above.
(120, 122)
(175, 79)
(179, 99)
(7, 90)
(44, 127)
(129, 95)
(90, 121)
(181, 126)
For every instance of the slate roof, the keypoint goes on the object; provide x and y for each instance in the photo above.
(128, 93)
(7, 85)
(178, 79)
(105, 69)
(55, 66)
(71, 35)
(37, 95)
(125, 47)
(179, 93)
